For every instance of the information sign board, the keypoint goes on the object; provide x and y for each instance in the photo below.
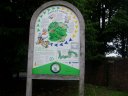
(56, 44)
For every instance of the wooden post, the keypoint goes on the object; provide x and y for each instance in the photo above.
(82, 57)
(29, 87)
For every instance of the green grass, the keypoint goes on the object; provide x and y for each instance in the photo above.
(102, 91)
(72, 90)
(92, 90)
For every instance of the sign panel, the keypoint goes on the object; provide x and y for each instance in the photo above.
(56, 42)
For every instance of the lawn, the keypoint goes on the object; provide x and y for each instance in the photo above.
(71, 89)
(58, 88)
(103, 91)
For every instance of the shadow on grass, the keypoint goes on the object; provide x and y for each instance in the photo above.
(54, 88)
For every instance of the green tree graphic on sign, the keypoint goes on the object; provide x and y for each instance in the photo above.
(57, 31)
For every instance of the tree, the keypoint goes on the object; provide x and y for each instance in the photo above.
(119, 27)
(14, 30)
(106, 21)
(100, 14)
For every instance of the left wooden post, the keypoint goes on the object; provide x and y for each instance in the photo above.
(30, 60)
(29, 87)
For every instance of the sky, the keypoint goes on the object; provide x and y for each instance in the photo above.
(114, 53)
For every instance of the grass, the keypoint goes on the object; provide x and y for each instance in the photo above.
(72, 90)
(58, 88)
(103, 91)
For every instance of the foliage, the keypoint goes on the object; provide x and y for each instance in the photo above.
(101, 29)
(106, 21)
(118, 29)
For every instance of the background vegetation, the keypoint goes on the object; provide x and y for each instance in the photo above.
(106, 21)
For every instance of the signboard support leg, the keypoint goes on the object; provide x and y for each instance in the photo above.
(82, 76)
(29, 87)
(81, 88)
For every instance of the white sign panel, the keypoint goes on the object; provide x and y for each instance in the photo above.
(57, 42)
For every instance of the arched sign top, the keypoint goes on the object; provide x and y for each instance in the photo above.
(58, 3)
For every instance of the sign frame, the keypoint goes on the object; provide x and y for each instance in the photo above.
(30, 76)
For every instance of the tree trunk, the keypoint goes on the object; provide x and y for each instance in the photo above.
(127, 47)
(110, 14)
(103, 17)
(123, 45)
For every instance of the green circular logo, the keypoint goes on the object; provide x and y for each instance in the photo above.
(55, 68)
